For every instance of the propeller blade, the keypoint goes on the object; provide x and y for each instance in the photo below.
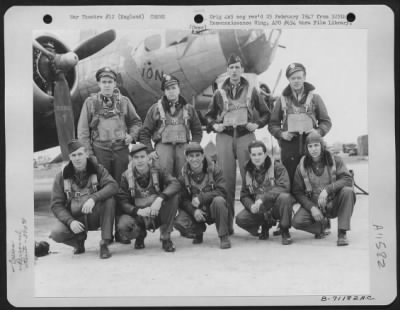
(63, 114)
(94, 44)
(37, 45)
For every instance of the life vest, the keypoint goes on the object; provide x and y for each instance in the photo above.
(173, 129)
(72, 191)
(306, 176)
(107, 124)
(207, 181)
(77, 196)
(269, 181)
(143, 197)
(236, 112)
(298, 112)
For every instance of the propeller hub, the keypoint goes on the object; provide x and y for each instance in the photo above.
(66, 61)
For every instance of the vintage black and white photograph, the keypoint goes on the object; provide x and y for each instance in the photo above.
(206, 162)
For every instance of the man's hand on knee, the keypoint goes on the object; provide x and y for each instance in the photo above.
(77, 227)
(88, 206)
(144, 212)
(199, 215)
(316, 214)
(255, 207)
(156, 206)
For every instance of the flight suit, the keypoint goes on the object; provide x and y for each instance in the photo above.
(67, 201)
(341, 197)
(171, 132)
(293, 150)
(102, 128)
(270, 184)
(235, 111)
(139, 191)
(209, 187)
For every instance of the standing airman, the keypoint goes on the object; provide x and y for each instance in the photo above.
(298, 111)
(171, 123)
(231, 114)
(108, 124)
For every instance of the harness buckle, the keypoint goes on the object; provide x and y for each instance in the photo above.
(77, 194)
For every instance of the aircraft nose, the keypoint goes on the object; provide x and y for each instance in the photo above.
(253, 47)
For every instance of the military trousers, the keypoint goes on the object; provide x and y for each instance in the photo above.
(171, 157)
(102, 216)
(114, 158)
(216, 212)
(341, 207)
(130, 227)
(291, 153)
(230, 149)
(281, 210)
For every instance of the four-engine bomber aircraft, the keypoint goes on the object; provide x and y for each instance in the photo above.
(63, 79)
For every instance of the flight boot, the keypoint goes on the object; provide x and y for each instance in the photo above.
(80, 248)
(325, 230)
(286, 238)
(104, 251)
(198, 239)
(168, 245)
(342, 238)
(139, 242)
(225, 242)
(80, 243)
(264, 234)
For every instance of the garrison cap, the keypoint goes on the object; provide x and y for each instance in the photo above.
(294, 67)
(137, 148)
(168, 80)
(73, 145)
(234, 59)
(193, 147)
(105, 71)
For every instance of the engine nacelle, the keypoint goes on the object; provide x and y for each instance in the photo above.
(44, 75)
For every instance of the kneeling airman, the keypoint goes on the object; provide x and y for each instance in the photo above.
(203, 200)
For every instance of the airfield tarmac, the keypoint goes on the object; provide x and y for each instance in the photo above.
(251, 267)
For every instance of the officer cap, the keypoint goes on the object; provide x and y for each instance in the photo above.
(73, 145)
(294, 67)
(168, 80)
(106, 71)
(234, 59)
(193, 147)
(314, 137)
(137, 148)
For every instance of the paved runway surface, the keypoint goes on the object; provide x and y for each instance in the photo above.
(250, 268)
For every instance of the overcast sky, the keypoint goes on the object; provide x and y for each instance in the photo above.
(336, 64)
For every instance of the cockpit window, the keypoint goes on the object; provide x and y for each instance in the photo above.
(173, 37)
(152, 43)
